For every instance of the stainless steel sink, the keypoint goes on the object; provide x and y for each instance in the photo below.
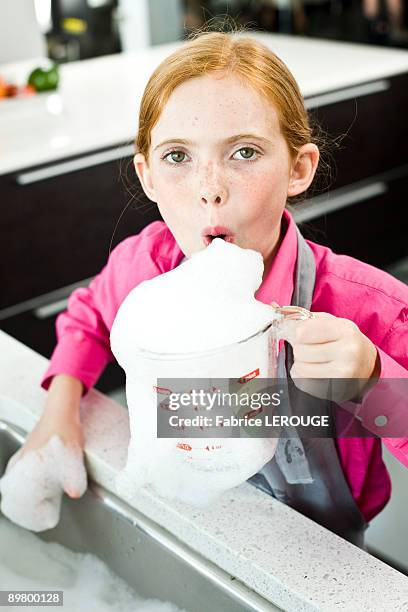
(149, 558)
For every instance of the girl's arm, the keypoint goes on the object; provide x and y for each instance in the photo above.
(83, 330)
(60, 415)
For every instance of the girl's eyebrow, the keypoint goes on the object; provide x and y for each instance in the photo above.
(229, 140)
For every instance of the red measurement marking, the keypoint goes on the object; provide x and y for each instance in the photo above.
(249, 376)
(162, 390)
(184, 446)
(252, 413)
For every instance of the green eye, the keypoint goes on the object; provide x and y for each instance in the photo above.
(248, 150)
(175, 156)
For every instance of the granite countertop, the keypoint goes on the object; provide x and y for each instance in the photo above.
(97, 103)
(282, 555)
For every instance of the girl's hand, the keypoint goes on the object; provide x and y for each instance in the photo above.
(69, 431)
(331, 347)
(33, 485)
(49, 463)
(60, 417)
(68, 428)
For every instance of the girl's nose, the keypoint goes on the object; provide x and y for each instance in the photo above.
(213, 193)
(212, 186)
(212, 199)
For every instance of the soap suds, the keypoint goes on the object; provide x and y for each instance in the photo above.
(88, 585)
(203, 305)
(32, 486)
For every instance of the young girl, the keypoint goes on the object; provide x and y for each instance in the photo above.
(223, 142)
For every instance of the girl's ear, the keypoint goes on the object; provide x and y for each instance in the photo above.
(144, 175)
(303, 169)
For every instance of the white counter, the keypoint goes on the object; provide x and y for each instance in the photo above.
(282, 555)
(98, 100)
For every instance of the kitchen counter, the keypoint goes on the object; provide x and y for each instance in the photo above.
(282, 555)
(96, 106)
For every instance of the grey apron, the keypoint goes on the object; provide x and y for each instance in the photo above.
(306, 474)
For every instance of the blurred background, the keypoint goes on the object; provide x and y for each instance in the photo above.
(80, 29)
(71, 74)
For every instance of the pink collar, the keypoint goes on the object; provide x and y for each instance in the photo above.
(279, 284)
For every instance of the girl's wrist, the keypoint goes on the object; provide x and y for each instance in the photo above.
(64, 395)
(66, 382)
(375, 370)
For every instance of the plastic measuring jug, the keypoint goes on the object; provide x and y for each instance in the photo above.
(197, 470)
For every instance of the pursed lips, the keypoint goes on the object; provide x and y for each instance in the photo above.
(217, 231)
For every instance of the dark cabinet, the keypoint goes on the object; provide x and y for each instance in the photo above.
(364, 214)
(59, 223)
(59, 229)
(365, 128)
(374, 229)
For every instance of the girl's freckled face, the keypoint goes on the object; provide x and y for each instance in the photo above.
(209, 180)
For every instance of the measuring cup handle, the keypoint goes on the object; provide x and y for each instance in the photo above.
(287, 318)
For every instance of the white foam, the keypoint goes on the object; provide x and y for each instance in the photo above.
(207, 302)
(88, 585)
(32, 486)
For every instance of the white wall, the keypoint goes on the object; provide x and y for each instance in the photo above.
(134, 24)
(166, 21)
(20, 36)
(149, 22)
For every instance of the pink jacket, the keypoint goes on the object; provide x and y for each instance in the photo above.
(345, 287)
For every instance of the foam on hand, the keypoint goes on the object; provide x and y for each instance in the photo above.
(207, 303)
(32, 486)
